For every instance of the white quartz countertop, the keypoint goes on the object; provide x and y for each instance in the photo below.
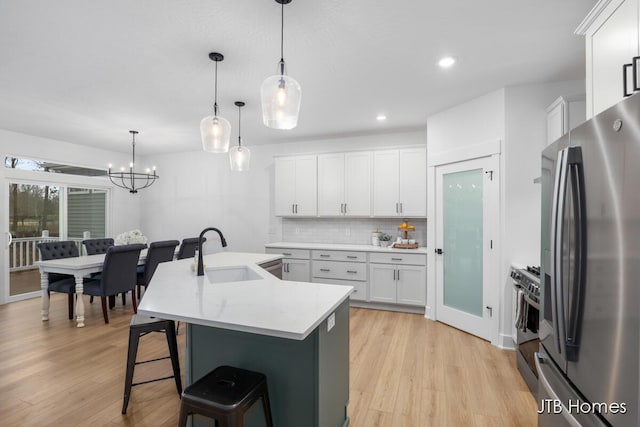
(262, 305)
(343, 247)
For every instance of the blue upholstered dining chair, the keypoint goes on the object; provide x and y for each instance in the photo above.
(158, 252)
(188, 247)
(97, 246)
(118, 275)
(63, 283)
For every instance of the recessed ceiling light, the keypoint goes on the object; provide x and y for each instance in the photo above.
(381, 117)
(447, 62)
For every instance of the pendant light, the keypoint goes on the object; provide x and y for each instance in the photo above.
(132, 180)
(215, 130)
(280, 94)
(239, 157)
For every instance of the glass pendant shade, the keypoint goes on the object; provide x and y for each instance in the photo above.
(216, 133)
(280, 96)
(239, 158)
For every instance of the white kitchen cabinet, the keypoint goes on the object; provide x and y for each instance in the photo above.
(564, 114)
(392, 279)
(296, 186)
(612, 39)
(344, 184)
(295, 264)
(400, 183)
(341, 268)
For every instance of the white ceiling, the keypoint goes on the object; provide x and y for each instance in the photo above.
(88, 71)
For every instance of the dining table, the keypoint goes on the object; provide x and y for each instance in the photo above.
(79, 267)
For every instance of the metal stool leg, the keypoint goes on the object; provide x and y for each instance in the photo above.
(132, 352)
(173, 351)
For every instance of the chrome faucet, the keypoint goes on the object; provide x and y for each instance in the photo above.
(222, 240)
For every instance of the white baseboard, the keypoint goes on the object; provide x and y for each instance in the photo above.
(506, 342)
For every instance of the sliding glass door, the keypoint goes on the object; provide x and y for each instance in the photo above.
(34, 216)
(39, 212)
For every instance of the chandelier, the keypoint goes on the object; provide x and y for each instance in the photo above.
(132, 180)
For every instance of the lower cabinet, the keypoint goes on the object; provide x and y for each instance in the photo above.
(296, 270)
(341, 268)
(397, 284)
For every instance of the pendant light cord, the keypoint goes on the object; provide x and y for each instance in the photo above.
(239, 122)
(282, 39)
(133, 151)
(215, 93)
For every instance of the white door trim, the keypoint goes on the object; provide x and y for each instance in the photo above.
(492, 150)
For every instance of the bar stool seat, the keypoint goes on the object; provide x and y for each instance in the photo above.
(138, 327)
(225, 394)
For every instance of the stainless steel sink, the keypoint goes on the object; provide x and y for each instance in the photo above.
(232, 274)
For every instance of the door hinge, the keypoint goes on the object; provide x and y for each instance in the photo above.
(490, 174)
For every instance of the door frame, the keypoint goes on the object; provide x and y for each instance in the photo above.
(63, 181)
(490, 149)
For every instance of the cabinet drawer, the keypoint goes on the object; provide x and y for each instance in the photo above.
(339, 270)
(359, 288)
(290, 253)
(339, 256)
(398, 258)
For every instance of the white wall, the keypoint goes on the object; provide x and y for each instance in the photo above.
(197, 190)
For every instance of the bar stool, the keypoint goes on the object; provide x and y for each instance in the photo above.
(225, 394)
(139, 327)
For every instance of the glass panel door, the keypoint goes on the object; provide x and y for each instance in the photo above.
(463, 240)
(34, 217)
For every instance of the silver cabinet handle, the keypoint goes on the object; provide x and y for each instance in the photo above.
(325, 255)
(394, 275)
(398, 275)
(286, 253)
(396, 207)
(352, 257)
(351, 271)
(345, 208)
(396, 259)
(400, 207)
(325, 269)
(296, 207)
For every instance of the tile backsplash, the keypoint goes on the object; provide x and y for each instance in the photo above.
(355, 231)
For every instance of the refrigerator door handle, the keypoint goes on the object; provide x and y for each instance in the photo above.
(557, 215)
(576, 168)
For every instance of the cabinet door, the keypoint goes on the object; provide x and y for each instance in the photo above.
(357, 185)
(306, 188)
(382, 283)
(285, 185)
(331, 184)
(413, 182)
(386, 183)
(613, 42)
(412, 285)
(296, 270)
(556, 120)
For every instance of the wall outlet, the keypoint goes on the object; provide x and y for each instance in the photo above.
(331, 321)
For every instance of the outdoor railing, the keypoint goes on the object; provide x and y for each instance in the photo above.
(23, 252)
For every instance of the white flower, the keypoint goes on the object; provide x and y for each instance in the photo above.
(129, 237)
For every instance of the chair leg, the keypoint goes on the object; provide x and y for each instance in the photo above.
(104, 309)
(70, 299)
(131, 362)
(112, 301)
(267, 408)
(133, 301)
(184, 414)
(91, 300)
(124, 298)
(178, 327)
(173, 351)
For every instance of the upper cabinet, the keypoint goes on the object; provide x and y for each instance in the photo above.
(612, 39)
(296, 186)
(344, 184)
(563, 115)
(400, 182)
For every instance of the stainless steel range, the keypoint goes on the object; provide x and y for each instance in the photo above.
(527, 283)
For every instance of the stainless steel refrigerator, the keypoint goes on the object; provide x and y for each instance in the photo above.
(588, 363)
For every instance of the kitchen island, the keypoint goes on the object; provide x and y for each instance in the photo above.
(296, 333)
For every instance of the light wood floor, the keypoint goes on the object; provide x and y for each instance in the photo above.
(405, 371)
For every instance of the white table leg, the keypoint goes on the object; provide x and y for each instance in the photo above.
(79, 301)
(44, 306)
